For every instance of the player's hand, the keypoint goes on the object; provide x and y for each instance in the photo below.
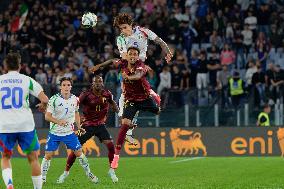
(62, 123)
(94, 68)
(124, 75)
(169, 57)
(41, 107)
(81, 131)
(147, 68)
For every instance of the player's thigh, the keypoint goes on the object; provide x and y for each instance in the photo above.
(7, 142)
(52, 142)
(90, 131)
(72, 142)
(129, 110)
(102, 133)
(149, 105)
(28, 141)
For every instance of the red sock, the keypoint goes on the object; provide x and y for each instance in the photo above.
(110, 148)
(121, 137)
(70, 160)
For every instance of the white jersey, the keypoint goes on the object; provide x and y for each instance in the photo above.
(138, 39)
(63, 109)
(15, 113)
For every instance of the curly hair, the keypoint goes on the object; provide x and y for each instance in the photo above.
(122, 18)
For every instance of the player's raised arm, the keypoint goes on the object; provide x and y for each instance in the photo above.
(165, 48)
(96, 67)
(152, 36)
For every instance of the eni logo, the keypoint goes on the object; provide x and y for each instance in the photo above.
(91, 146)
(190, 146)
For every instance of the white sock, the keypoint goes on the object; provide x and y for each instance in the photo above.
(129, 132)
(66, 172)
(37, 181)
(45, 166)
(7, 176)
(84, 163)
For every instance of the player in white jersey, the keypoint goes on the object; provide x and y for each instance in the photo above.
(135, 36)
(62, 112)
(17, 122)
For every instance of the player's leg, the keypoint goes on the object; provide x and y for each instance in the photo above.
(129, 136)
(129, 112)
(7, 142)
(28, 142)
(104, 136)
(52, 144)
(72, 143)
(72, 157)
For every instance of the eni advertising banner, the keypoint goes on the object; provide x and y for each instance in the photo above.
(187, 142)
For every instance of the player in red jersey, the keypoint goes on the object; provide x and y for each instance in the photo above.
(137, 91)
(95, 102)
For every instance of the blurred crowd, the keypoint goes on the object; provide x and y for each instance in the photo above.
(212, 40)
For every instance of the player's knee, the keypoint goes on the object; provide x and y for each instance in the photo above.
(48, 155)
(78, 153)
(126, 121)
(32, 157)
(6, 155)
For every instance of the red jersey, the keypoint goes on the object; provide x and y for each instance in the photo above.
(134, 90)
(95, 108)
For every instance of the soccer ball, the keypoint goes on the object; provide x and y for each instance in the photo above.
(89, 20)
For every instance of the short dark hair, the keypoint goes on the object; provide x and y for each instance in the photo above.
(122, 18)
(133, 48)
(66, 79)
(12, 61)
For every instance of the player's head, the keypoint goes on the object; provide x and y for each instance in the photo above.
(267, 108)
(98, 82)
(65, 85)
(124, 23)
(12, 62)
(132, 54)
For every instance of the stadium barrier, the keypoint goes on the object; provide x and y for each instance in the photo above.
(188, 142)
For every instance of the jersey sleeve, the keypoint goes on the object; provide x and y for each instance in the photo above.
(51, 105)
(109, 96)
(34, 87)
(148, 33)
(121, 44)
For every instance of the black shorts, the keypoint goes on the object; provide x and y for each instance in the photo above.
(131, 107)
(99, 131)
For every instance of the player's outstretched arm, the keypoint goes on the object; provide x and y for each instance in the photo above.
(138, 75)
(114, 106)
(96, 67)
(165, 48)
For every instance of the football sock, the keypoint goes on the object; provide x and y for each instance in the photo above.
(110, 148)
(121, 137)
(70, 161)
(45, 166)
(37, 181)
(84, 163)
(129, 132)
(7, 176)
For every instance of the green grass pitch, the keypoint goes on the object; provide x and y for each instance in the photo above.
(167, 173)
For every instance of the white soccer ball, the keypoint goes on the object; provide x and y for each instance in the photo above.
(89, 20)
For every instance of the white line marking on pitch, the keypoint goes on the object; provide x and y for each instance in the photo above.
(187, 159)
